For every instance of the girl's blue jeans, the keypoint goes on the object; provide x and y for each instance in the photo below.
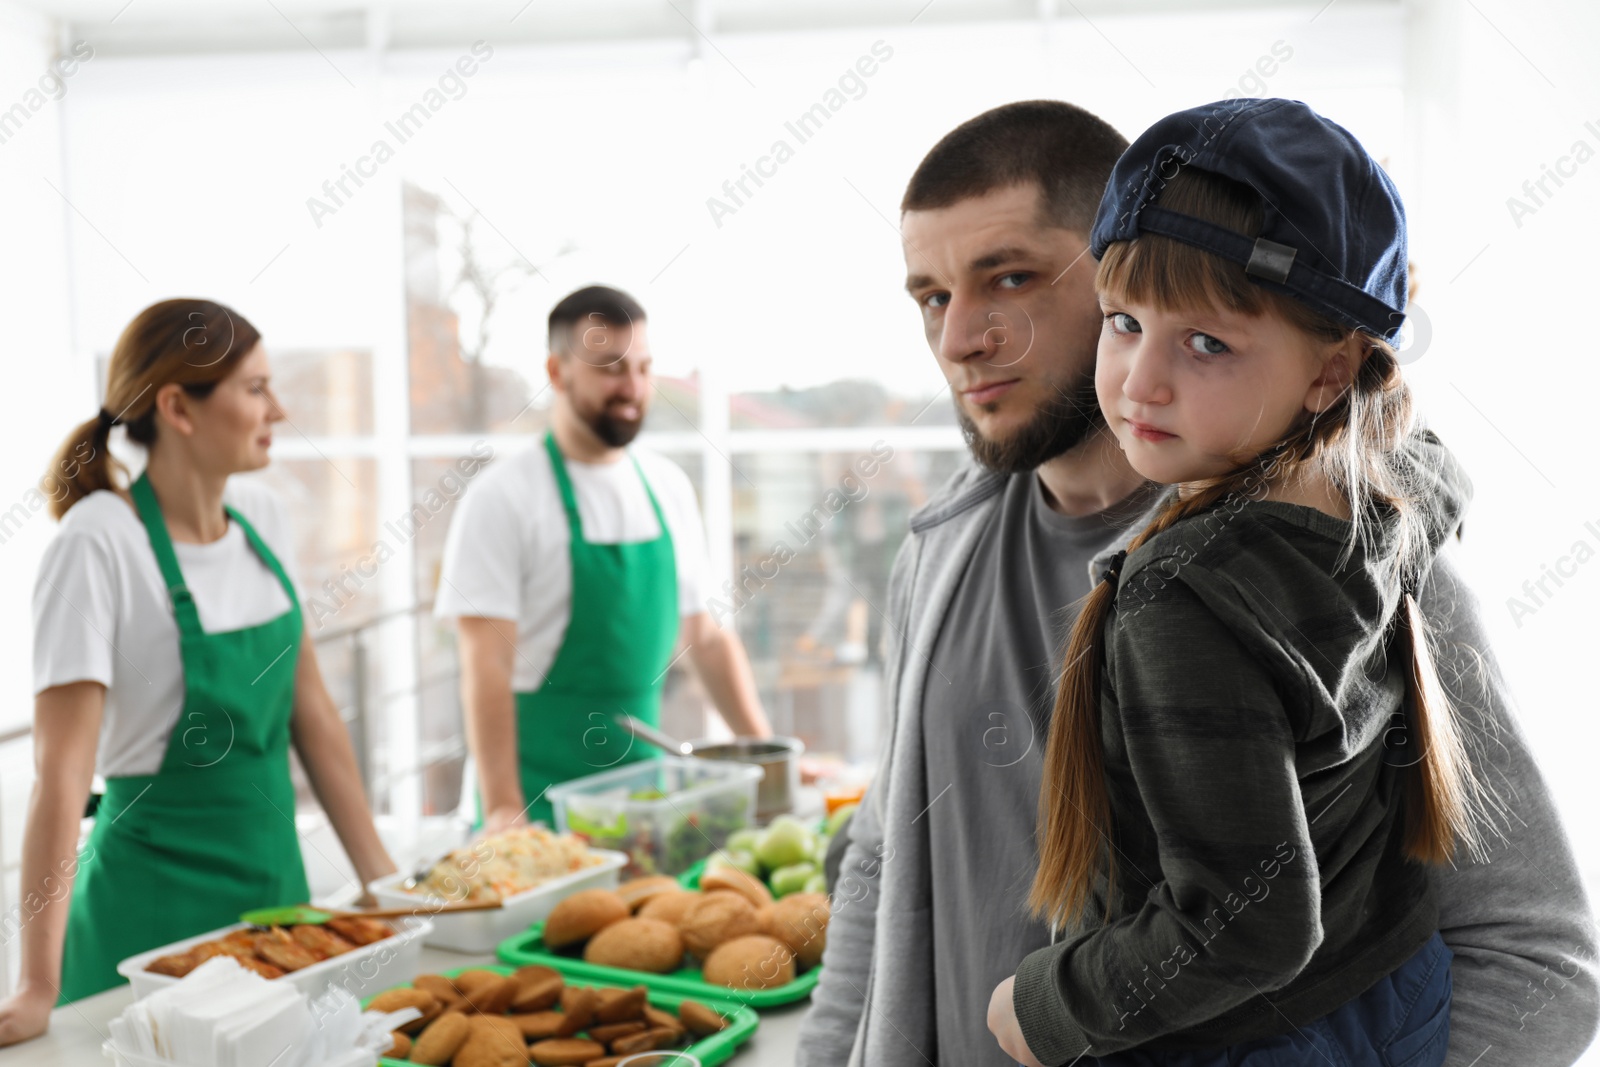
(1402, 1021)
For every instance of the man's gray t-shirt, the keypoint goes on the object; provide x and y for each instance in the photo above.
(985, 719)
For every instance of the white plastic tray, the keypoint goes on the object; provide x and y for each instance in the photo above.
(482, 931)
(123, 1058)
(368, 969)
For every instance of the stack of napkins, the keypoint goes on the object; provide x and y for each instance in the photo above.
(222, 1015)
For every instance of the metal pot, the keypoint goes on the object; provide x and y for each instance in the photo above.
(779, 760)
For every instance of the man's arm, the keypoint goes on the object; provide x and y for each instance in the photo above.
(1526, 993)
(487, 649)
(828, 1032)
(723, 668)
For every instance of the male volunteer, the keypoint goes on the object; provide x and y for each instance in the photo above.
(573, 570)
(929, 907)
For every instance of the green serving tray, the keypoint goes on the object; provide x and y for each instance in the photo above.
(690, 879)
(710, 1051)
(529, 947)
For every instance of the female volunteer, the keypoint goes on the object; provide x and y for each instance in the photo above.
(168, 637)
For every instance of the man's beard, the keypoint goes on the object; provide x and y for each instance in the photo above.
(615, 432)
(1063, 422)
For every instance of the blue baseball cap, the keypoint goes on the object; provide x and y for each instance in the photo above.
(1334, 234)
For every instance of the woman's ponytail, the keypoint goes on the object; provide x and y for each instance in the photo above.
(186, 342)
(82, 464)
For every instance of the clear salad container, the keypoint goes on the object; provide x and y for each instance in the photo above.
(665, 814)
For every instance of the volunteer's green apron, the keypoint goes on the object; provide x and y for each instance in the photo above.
(210, 835)
(613, 657)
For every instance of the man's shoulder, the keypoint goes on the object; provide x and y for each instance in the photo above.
(959, 497)
(512, 473)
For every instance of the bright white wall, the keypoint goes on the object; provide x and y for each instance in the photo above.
(617, 149)
(1508, 377)
(47, 385)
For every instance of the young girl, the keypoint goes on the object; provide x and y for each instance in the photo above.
(1251, 762)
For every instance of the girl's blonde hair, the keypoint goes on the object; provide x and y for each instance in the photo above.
(1355, 445)
(187, 342)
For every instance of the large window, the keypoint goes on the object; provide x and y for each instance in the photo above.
(405, 314)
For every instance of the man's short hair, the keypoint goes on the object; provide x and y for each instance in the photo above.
(591, 305)
(1064, 150)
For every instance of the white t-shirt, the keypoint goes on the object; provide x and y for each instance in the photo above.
(101, 612)
(506, 556)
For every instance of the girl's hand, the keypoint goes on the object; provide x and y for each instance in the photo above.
(1003, 1024)
(25, 1014)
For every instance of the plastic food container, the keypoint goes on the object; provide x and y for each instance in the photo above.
(481, 931)
(665, 814)
(122, 1058)
(365, 970)
(706, 1052)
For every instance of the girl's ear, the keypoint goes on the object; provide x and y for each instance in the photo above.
(1341, 361)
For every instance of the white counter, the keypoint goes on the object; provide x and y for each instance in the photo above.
(77, 1030)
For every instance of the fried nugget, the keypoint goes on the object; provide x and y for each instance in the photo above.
(320, 941)
(442, 1038)
(261, 967)
(396, 999)
(540, 1024)
(644, 1041)
(491, 1048)
(360, 931)
(174, 966)
(536, 992)
(442, 988)
(283, 951)
(577, 1009)
(565, 1052)
(700, 1019)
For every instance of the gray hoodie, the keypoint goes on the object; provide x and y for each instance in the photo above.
(1526, 991)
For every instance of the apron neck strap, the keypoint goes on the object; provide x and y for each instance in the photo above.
(144, 499)
(569, 498)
